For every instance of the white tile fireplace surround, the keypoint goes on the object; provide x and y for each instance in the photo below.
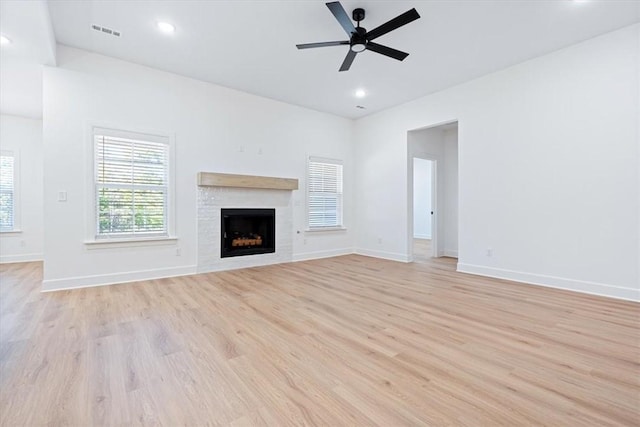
(212, 197)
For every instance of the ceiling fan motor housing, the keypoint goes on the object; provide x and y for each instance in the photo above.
(358, 14)
(358, 40)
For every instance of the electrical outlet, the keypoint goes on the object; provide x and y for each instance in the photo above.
(489, 252)
(178, 252)
(304, 241)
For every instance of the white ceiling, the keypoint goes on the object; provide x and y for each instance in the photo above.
(28, 25)
(250, 45)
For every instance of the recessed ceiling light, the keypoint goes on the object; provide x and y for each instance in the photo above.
(360, 93)
(165, 27)
(4, 40)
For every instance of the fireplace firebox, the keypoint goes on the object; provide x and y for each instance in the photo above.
(247, 232)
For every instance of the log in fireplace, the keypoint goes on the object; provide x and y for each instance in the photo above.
(247, 232)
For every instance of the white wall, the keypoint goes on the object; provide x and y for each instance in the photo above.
(421, 198)
(21, 83)
(23, 136)
(450, 141)
(548, 156)
(216, 129)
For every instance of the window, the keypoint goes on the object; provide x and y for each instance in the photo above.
(7, 191)
(131, 184)
(324, 193)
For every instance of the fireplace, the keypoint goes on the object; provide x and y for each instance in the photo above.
(247, 232)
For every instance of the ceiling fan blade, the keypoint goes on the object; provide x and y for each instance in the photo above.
(387, 51)
(346, 64)
(397, 22)
(338, 11)
(321, 44)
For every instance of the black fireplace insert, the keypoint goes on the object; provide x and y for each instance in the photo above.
(247, 232)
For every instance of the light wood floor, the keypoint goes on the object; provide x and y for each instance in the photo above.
(422, 251)
(343, 341)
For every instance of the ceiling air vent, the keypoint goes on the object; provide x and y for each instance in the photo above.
(106, 30)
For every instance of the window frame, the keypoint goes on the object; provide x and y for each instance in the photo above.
(16, 190)
(93, 238)
(341, 225)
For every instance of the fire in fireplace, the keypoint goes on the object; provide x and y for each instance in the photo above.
(247, 232)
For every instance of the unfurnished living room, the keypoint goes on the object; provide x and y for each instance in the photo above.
(353, 213)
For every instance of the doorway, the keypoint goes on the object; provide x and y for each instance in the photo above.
(433, 192)
(423, 208)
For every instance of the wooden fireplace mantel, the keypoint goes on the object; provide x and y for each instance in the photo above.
(211, 179)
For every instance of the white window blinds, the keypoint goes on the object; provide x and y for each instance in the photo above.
(131, 184)
(7, 192)
(324, 193)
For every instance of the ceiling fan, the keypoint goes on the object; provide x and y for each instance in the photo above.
(360, 38)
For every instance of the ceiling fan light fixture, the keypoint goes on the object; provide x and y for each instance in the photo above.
(358, 47)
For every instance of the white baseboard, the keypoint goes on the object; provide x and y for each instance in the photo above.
(422, 236)
(600, 289)
(115, 278)
(450, 253)
(306, 256)
(384, 255)
(6, 259)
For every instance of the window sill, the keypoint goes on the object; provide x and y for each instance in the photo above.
(14, 231)
(130, 243)
(315, 230)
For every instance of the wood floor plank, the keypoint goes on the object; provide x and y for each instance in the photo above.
(347, 341)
